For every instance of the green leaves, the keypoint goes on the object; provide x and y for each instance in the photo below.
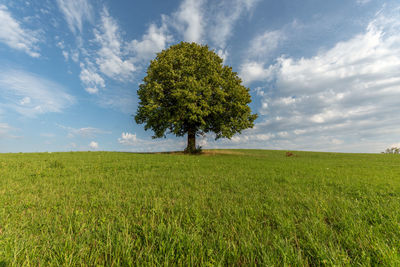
(187, 87)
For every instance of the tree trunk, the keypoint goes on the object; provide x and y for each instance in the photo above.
(191, 146)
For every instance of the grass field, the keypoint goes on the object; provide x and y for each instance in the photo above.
(239, 207)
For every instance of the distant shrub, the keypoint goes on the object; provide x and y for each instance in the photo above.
(392, 150)
(289, 154)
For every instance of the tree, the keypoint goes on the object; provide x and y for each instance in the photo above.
(188, 90)
(392, 150)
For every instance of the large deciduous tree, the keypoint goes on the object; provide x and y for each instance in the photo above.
(188, 90)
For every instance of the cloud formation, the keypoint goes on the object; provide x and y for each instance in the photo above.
(90, 78)
(15, 36)
(110, 59)
(363, 2)
(94, 145)
(5, 131)
(225, 15)
(261, 48)
(189, 20)
(86, 132)
(113, 58)
(128, 139)
(256, 71)
(153, 41)
(75, 13)
(29, 94)
(133, 143)
(263, 45)
(347, 94)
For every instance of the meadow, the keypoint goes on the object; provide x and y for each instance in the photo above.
(225, 207)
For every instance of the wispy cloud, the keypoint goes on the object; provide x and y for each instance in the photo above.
(86, 132)
(189, 20)
(48, 135)
(110, 58)
(30, 94)
(5, 131)
(75, 13)
(115, 59)
(363, 2)
(133, 143)
(15, 36)
(262, 45)
(90, 78)
(123, 99)
(224, 16)
(206, 21)
(261, 49)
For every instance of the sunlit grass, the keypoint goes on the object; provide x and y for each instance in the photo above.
(239, 207)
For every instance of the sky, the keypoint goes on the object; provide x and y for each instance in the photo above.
(323, 75)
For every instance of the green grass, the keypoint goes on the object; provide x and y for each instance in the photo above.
(239, 207)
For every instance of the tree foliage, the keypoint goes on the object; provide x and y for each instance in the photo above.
(188, 90)
(392, 150)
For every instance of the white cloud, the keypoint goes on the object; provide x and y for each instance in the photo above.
(5, 130)
(250, 137)
(153, 41)
(223, 54)
(119, 98)
(255, 71)
(260, 50)
(128, 139)
(65, 55)
(363, 2)
(16, 37)
(134, 143)
(48, 135)
(394, 145)
(189, 20)
(86, 132)
(25, 101)
(30, 94)
(92, 90)
(337, 141)
(110, 57)
(90, 78)
(75, 56)
(342, 99)
(73, 145)
(94, 145)
(118, 59)
(76, 12)
(262, 45)
(224, 19)
(60, 44)
(156, 145)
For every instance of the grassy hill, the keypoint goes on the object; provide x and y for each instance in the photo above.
(241, 207)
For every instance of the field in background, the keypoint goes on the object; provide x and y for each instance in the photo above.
(241, 207)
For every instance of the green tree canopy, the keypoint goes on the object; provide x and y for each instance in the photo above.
(188, 90)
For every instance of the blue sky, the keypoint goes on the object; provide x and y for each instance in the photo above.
(323, 75)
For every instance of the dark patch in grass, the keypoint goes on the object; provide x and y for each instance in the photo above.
(55, 164)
